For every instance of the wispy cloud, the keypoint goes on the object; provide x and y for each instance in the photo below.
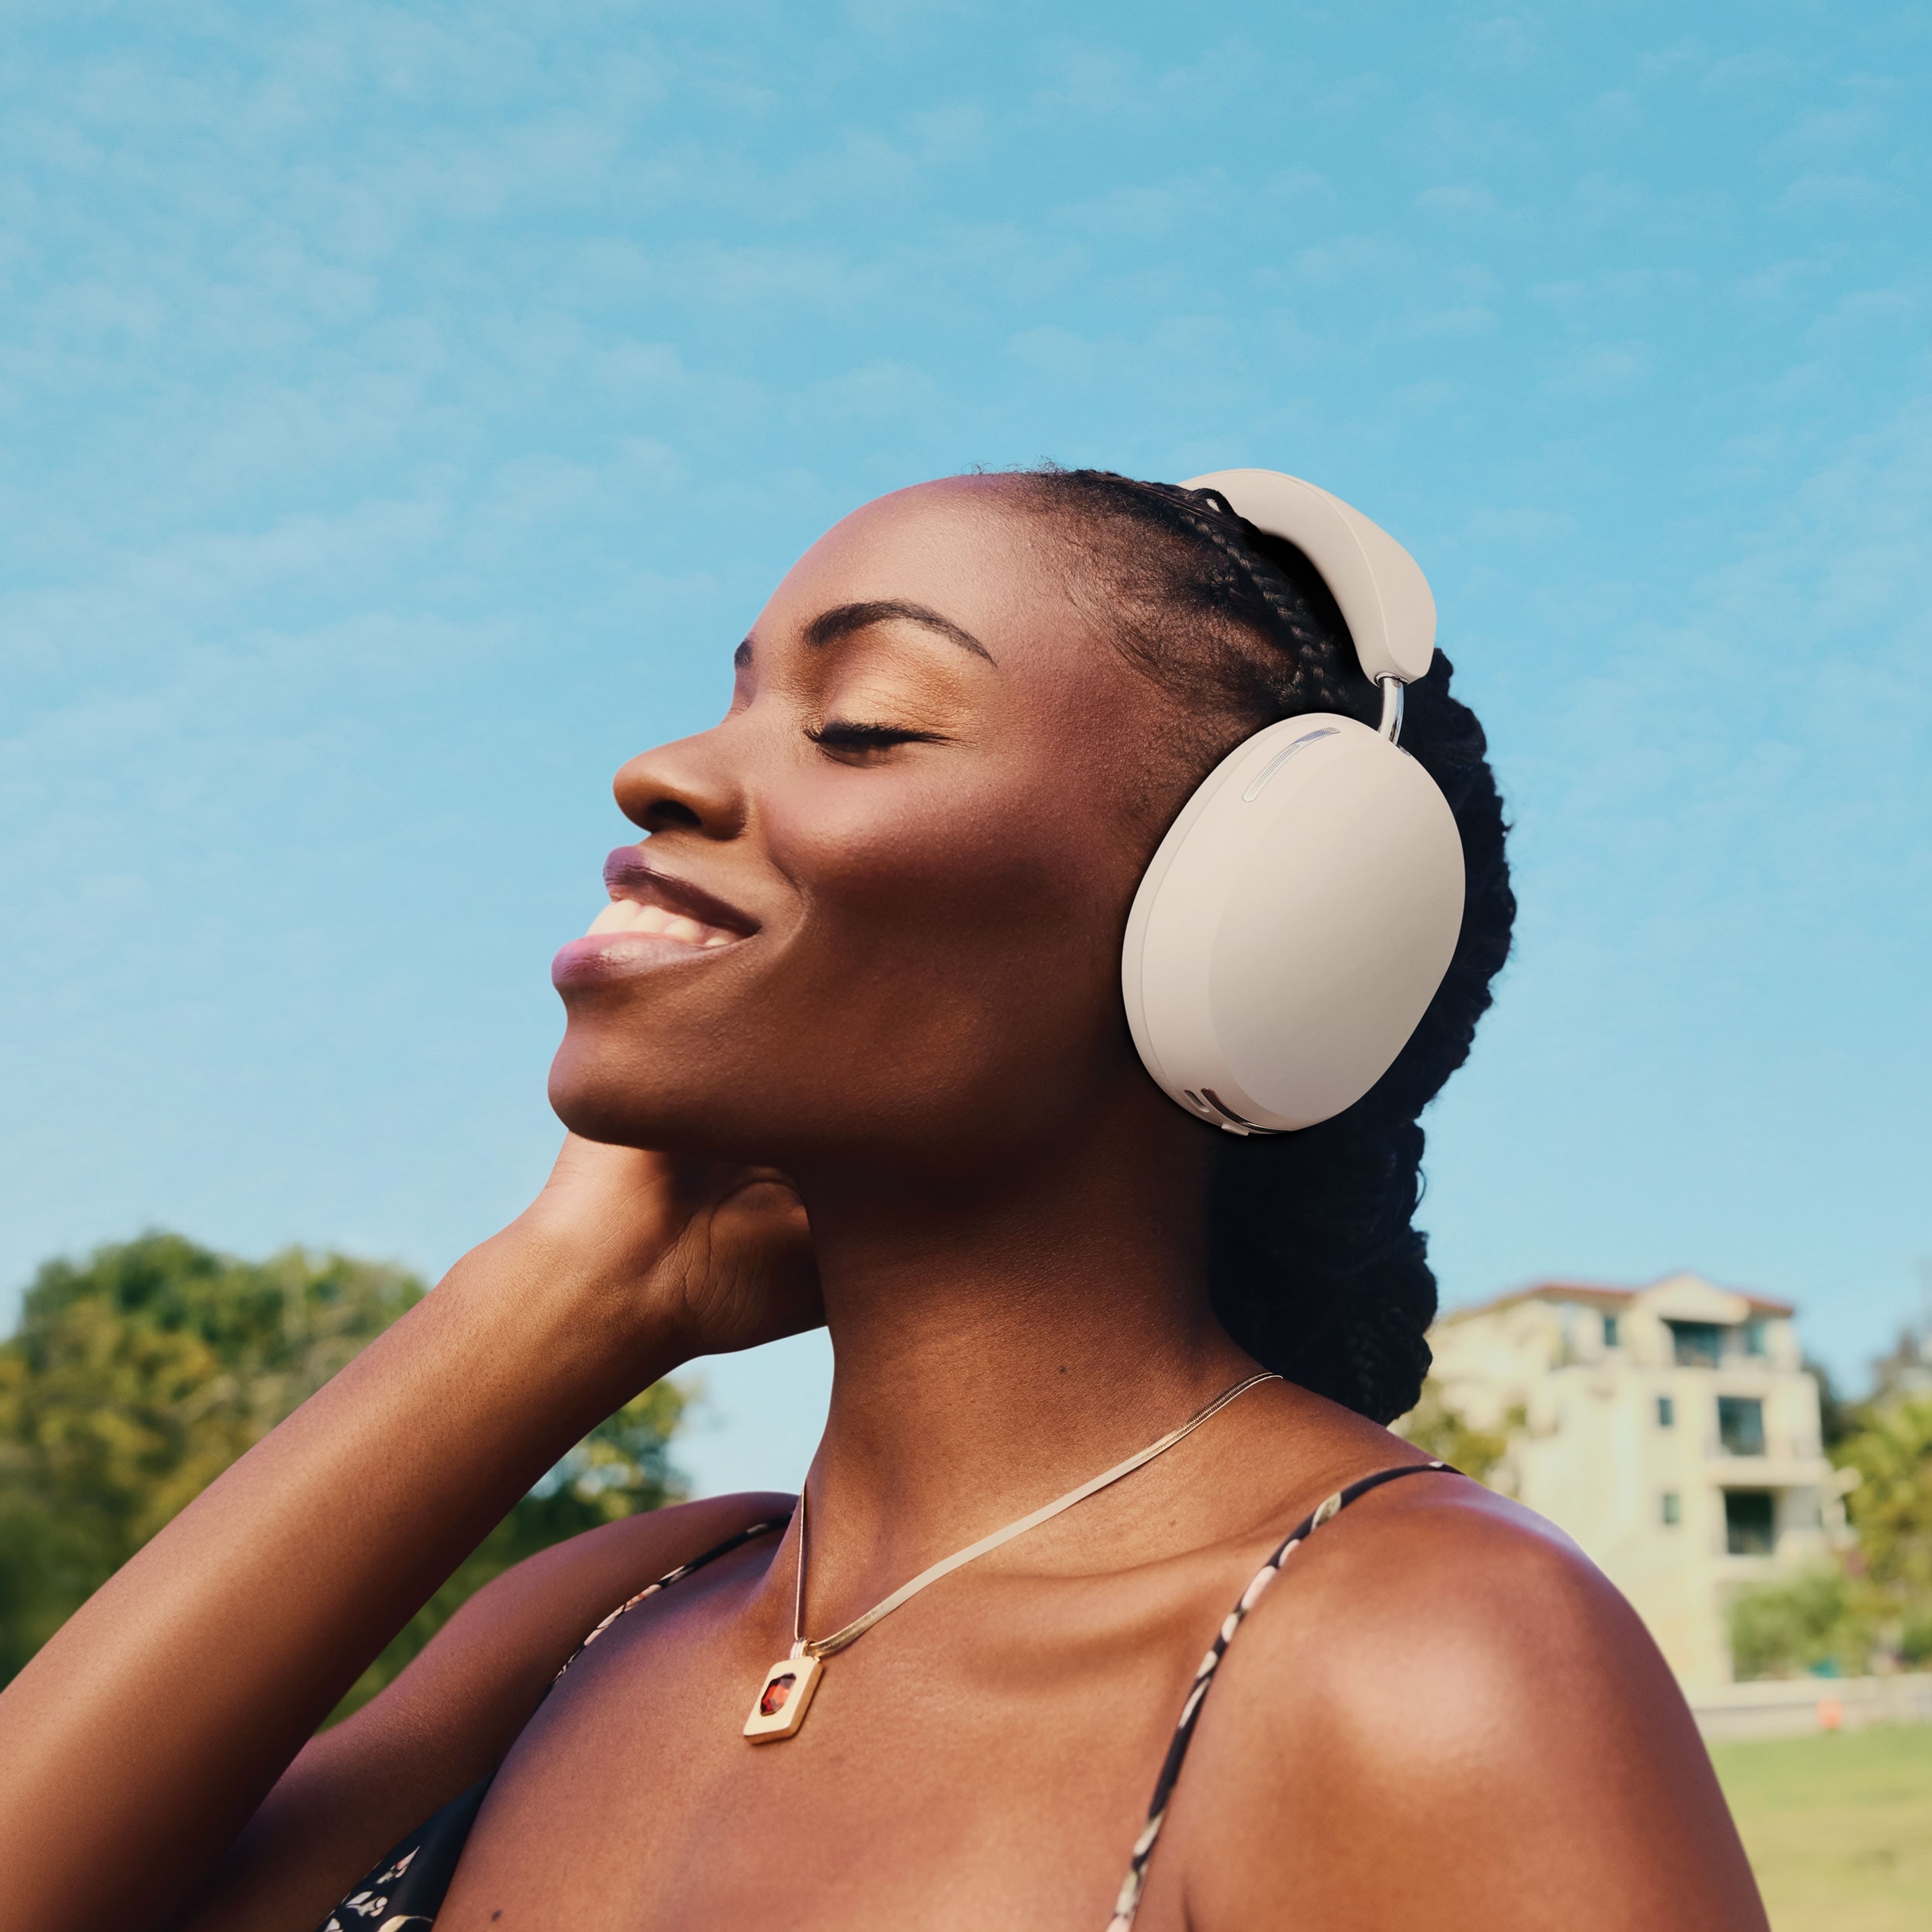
(402, 412)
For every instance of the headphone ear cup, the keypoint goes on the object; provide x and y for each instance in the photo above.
(1293, 926)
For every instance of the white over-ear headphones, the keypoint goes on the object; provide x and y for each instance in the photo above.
(1300, 914)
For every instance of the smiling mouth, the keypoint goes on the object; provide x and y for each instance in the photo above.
(651, 904)
(658, 921)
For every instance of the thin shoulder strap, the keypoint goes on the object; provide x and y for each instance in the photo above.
(677, 1575)
(1129, 1902)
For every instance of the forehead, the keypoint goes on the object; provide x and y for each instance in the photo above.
(963, 548)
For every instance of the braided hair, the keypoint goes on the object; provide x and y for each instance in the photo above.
(1315, 1265)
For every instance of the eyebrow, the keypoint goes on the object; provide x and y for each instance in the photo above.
(842, 619)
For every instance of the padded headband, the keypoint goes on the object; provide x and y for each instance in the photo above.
(1379, 587)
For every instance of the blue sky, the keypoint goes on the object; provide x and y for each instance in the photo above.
(404, 409)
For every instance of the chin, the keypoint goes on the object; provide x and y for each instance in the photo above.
(594, 1101)
(625, 1100)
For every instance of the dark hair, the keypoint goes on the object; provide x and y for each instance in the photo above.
(1314, 1264)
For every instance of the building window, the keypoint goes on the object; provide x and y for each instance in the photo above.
(1666, 1412)
(1754, 1338)
(1750, 1522)
(1673, 1509)
(1741, 1424)
(1699, 1344)
(1609, 1331)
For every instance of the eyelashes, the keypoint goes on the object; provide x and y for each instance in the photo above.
(849, 738)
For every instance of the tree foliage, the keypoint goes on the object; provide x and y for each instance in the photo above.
(1813, 1622)
(1438, 1429)
(1891, 1508)
(135, 1378)
(1874, 1606)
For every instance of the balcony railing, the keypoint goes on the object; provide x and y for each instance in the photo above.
(1777, 1447)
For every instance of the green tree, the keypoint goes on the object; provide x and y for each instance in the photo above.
(1438, 1429)
(1818, 1622)
(1891, 1511)
(1876, 1603)
(134, 1379)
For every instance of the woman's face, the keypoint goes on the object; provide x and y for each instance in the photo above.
(877, 914)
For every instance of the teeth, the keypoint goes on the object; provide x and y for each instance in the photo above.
(616, 917)
(628, 916)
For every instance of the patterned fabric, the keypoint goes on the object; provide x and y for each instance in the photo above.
(404, 1893)
(1129, 1903)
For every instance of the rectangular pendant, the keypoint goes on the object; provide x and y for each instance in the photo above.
(783, 1698)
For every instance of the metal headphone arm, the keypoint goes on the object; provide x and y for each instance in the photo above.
(1390, 728)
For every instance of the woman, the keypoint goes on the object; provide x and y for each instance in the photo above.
(863, 972)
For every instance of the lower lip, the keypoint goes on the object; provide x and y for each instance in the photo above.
(600, 956)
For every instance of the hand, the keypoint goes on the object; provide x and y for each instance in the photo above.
(719, 1257)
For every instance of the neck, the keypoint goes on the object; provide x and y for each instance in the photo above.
(999, 1341)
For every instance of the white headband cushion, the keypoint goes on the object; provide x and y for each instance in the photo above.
(1384, 598)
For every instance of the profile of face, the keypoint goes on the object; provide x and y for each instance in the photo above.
(877, 914)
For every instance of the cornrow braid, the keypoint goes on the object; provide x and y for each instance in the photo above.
(1314, 1264)
(1286, 597)
(1244, 546)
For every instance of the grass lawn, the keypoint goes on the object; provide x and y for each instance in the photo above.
(1838, 1826)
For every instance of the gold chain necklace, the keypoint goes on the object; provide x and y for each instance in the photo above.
(785, 1696)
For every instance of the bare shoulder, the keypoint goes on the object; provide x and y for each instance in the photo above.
(450, 1717)
(1457, 1720)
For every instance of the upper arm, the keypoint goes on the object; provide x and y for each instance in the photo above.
(447, 1719)
(1447, 1716)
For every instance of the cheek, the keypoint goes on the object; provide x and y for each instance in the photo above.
(959, 898)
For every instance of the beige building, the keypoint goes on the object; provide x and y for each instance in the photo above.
(1672, 1430)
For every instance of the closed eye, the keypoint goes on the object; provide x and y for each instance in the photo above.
(846, 738)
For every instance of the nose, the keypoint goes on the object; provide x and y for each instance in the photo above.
(685, 787)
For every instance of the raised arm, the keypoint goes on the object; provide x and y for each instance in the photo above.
(447, 1719)
(137, 1745)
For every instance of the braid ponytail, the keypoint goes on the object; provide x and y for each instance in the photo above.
(1314, 1264)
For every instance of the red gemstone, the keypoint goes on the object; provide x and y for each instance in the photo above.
(778, 1693)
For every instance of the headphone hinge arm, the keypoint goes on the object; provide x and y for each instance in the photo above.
(1390, 727)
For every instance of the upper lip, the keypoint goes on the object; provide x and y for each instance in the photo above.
(629, 875)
